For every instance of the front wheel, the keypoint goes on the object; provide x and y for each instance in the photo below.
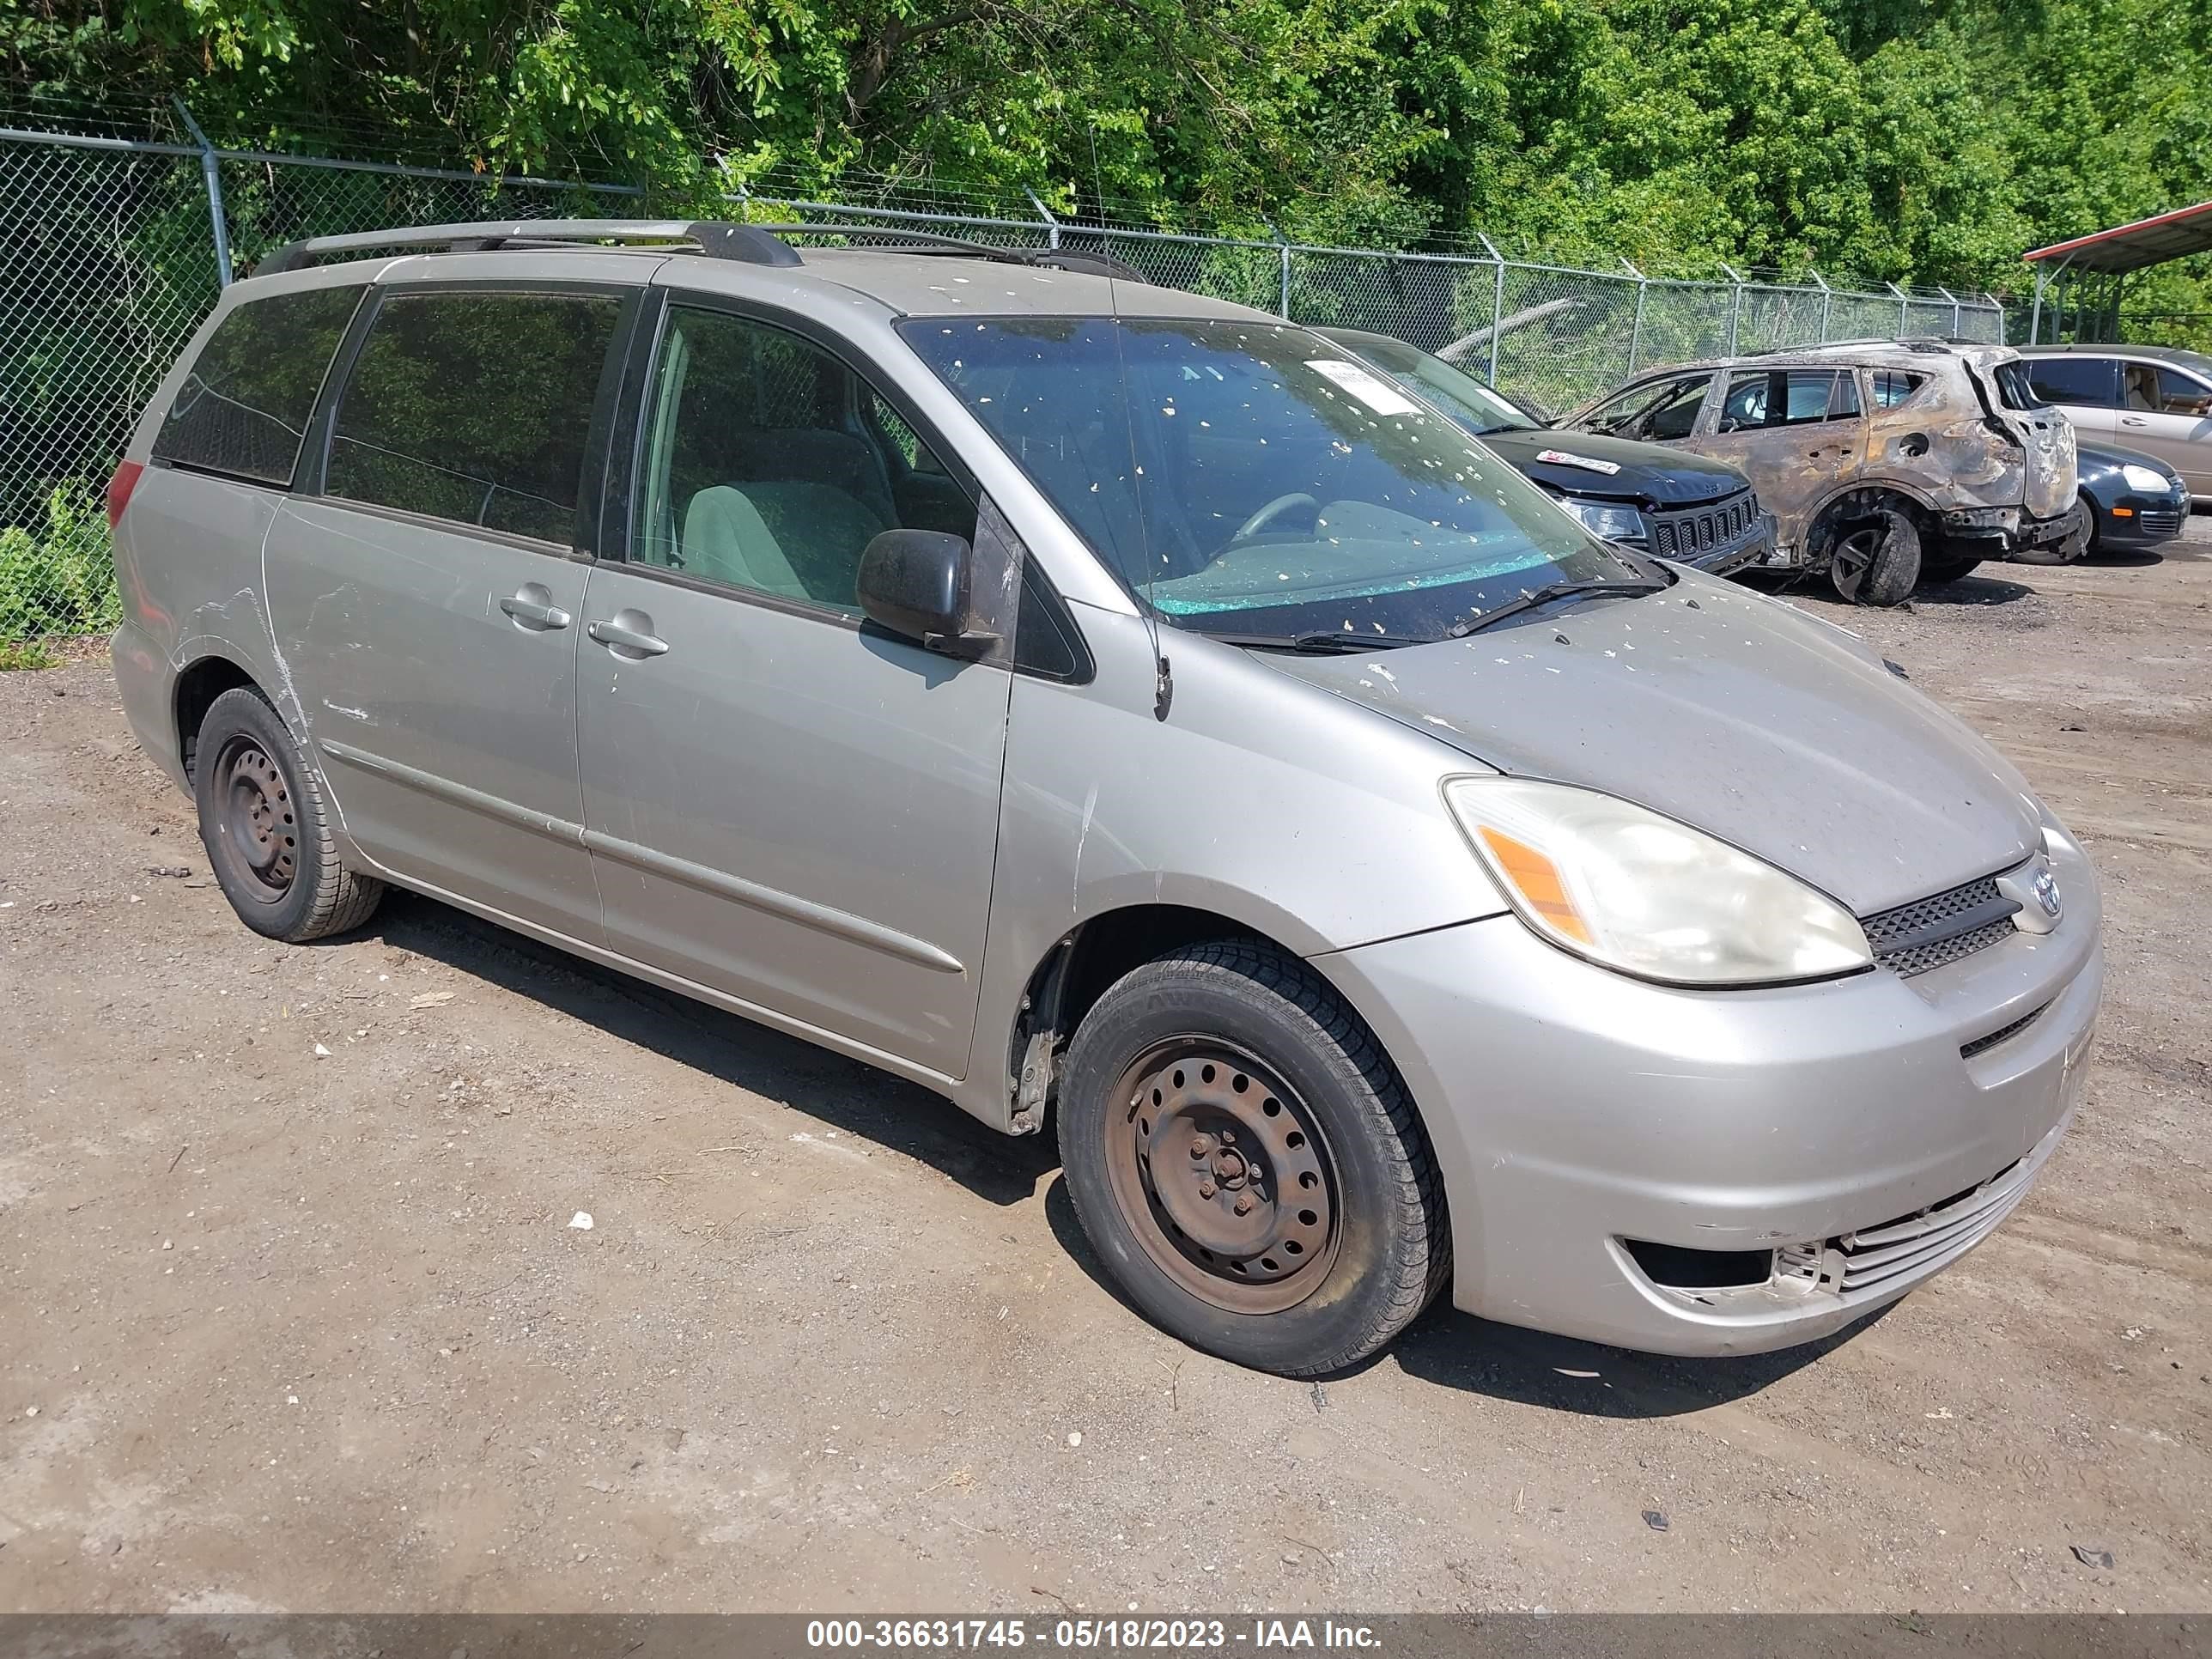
(1876, 559)
(1246, 1164)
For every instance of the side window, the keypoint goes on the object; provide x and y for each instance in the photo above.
(1744, 408)
(768, 465)
(1891, 387)
(1818, 394)
(475, 407)
(1675, 413)
(2084, 382)
(244, 407)
(2180, 393)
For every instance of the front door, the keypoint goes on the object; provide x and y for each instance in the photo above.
(428, 600)
(781, 804)
(2166, 411)
(1798, 433)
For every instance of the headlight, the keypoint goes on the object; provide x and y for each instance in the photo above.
(2150, 480)
(1615, 524)
(1635, 892)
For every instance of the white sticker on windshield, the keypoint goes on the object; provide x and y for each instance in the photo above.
(1378, 395)
(1561, 458)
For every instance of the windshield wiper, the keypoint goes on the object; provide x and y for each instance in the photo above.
(1545, 595)
(1320, 645)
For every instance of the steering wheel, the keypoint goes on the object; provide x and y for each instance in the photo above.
(1274, 510)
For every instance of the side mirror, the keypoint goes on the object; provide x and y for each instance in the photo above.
(917, 584)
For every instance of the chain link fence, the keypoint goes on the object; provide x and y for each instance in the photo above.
(112, 252)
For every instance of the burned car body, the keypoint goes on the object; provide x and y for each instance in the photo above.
(1882, 462)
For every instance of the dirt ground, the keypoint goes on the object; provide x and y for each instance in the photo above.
(292, 1317)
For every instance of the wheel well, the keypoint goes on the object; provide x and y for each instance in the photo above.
(1862, 502)
(1078, 970)
(197, 687)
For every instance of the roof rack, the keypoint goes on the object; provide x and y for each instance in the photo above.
(756, 244)
(713, 237)
(925, 242)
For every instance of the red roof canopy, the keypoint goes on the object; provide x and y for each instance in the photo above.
(2130, 247)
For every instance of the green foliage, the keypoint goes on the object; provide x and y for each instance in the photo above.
(1920, 140)
(60, 578)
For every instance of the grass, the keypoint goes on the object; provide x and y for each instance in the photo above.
(56, 579)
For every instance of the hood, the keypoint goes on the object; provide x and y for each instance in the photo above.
(2100, 463)
(1649, 474)
(1727, 711)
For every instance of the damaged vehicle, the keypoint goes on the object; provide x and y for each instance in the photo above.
(1883, 462)
(1663, 502)
(1117, 710)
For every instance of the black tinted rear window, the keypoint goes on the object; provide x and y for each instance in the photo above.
(244, 407)
(474, 407)
(2083, 381)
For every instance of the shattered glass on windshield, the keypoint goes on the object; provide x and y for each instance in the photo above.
(1254, 477)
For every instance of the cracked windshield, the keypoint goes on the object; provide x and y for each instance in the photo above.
(1254, 482)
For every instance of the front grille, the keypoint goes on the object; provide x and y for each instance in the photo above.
(1872, 1256)
(2160, 521)
(1941, 928)
(1692, 532)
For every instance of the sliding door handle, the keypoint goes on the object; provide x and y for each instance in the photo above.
(633, 635)
(527, 607)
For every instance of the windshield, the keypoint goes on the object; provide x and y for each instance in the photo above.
(1454, 391)
(1253, 479)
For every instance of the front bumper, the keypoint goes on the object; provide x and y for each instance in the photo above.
(2135, 521)
(1575, 1111)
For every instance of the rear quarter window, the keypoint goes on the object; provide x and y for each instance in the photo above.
(243, 409)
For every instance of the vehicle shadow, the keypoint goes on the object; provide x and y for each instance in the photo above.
(854, 1098)
(1504, 1362)
(1975, 589)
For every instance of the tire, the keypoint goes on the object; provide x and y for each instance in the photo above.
(1346, 1239)
(1947, 570)
(266, 826)
(1875, 560)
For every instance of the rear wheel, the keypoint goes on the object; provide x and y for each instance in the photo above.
(1246, 1164)
(266, 829)
(1875, 560)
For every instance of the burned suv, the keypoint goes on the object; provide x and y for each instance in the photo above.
(1883, 463)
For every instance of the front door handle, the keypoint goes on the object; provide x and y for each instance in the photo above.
(633, 635)
(2133, 419)
(534, 606)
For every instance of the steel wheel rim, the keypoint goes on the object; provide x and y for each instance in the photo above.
(256, 827)
(1198, 1129)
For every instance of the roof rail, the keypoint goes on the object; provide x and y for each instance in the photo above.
(756, 244)
(714, 238)
(896, 241)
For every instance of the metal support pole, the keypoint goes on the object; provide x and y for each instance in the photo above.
(1497, 303)
(1052, 230)
(1903, 301)
(1828, 304)
(1956, 329)
(211, 172)
(1283, 254)
(1735, 304)
(1636, 328)
(2035, 316)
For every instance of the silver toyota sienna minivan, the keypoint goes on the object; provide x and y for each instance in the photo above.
(1109, 706)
